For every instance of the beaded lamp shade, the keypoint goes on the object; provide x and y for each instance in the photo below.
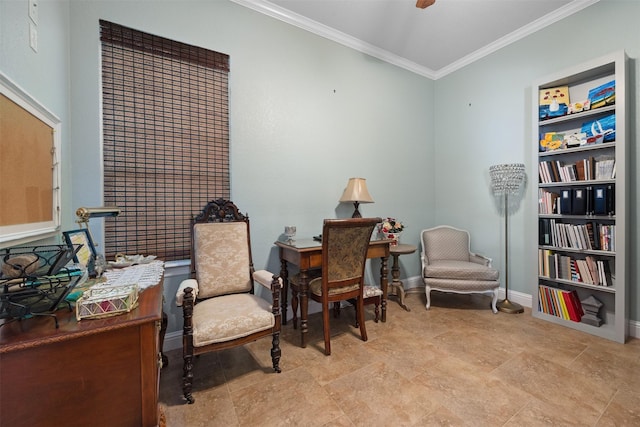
(506, 178)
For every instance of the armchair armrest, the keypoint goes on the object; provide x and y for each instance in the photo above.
(274, 284)
(480, 259)
(268, 280)
(188, 283)
(424, 261)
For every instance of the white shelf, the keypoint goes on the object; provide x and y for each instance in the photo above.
(580, 80)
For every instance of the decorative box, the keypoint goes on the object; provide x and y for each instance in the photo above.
(603, 95)
(601, 130)
(105, 301)
(553, 102)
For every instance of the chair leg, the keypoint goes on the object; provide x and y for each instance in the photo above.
(294, 307)
(360, 313)
(187, 378)
(494, 301)
(427, 291)
(336, 309)
(326, 329)
(276, 352)
(376, 310)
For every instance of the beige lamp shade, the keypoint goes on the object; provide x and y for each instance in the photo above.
(357, 193)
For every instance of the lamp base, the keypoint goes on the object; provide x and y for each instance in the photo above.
(507, 306)
(356, 213)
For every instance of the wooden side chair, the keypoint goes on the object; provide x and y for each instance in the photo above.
(372, 295)
(344, 254)
(220, 309)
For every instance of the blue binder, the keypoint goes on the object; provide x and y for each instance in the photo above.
(579, 202)
(599, 199)
(565, 202)
(611, 199)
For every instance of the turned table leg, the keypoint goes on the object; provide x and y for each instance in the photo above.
(396, 284)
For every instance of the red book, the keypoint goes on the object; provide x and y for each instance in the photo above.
(571, 308)
(577, 304)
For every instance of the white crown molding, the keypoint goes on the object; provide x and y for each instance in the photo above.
(332, 34)
(538, 24)
(304, 23)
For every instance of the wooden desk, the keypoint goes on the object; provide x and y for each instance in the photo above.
(95, 372)
(307, 254)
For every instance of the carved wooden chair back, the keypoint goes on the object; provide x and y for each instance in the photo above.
(220, 309)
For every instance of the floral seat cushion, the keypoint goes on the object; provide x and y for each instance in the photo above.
(372, 291)
(229, 317)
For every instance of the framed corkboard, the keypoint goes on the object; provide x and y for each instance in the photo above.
(29, 167)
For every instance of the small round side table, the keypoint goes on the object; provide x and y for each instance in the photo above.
(396, 284)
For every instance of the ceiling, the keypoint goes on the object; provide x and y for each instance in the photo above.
(431, 42)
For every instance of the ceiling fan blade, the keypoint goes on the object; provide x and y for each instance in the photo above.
(423, 4)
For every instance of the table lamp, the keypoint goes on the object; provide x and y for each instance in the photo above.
(357, 193)
(84, 214)
(507, 179)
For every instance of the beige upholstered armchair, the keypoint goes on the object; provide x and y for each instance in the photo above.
(220, 309)
(448, 265)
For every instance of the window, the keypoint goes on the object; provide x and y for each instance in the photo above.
(166, 139)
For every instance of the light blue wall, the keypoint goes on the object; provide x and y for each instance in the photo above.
(483, 117)
(45, 74)
(307, 114)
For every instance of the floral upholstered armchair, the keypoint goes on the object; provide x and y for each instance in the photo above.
(220, 309)
(448, 265)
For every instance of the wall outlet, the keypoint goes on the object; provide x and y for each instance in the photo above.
(33, 11)
(33, 36)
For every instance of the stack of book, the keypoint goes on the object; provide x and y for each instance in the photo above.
(550, 171)
(586, 270)
(560, 303)
(547, 201)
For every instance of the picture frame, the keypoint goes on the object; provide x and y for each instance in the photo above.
(87, 251)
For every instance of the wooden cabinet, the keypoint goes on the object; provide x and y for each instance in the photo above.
(95, 372)
(582, 211)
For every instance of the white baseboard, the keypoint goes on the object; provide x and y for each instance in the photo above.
(415, 284)
(173, 340)
(634, 329)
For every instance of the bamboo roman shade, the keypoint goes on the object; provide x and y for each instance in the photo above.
(166, 139)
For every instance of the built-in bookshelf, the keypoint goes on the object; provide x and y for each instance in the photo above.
(579, 151)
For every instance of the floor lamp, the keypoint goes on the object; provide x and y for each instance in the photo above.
(507, 179)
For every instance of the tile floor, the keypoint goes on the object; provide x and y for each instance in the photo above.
(456, 365)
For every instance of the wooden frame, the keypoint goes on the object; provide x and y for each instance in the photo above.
(215, 213)
(29, 167)
(81, 237)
